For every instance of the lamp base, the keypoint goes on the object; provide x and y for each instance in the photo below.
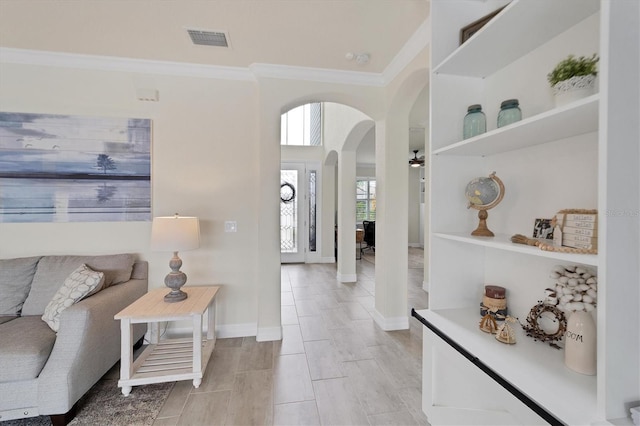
(174, 280)
(175, 296)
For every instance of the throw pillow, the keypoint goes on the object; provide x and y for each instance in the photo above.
(79, 284)
(53, 270)
(15, 282)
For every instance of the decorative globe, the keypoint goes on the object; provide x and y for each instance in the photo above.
(484, 193)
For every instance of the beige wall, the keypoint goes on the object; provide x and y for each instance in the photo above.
(204, 163)
(215, 155)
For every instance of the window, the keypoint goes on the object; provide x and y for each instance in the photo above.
(302, 126)
(312, 209)
(365, 199)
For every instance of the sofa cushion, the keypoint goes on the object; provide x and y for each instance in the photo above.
(53, 270)
(81, 283)
(15, 281)
(26, 343)
(7, 318)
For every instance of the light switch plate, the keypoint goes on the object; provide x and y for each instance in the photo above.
(231, 226)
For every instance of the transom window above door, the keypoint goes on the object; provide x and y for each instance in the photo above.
(302, 126)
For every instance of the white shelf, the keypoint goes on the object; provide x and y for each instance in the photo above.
(574, 119)
(169, 360)
(530, 23)
(503, 242)
(535, 368)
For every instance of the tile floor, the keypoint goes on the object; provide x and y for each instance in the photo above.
(334, 366)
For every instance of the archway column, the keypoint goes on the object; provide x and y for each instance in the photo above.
(269, 324)
(329, 208)
(392, 177)
(347, 216)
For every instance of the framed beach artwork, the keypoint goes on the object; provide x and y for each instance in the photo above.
(68, 168)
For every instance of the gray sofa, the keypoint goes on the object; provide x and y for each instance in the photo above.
(43, 372)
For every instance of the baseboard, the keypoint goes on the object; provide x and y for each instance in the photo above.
(321, 260)
(236, 330)
(390, 324)
(268, 334)
(347, 278)
(416, 245)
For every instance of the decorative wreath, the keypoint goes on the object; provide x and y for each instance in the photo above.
(289, 195)
(533, 329)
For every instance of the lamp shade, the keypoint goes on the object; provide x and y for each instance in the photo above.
(175, 233)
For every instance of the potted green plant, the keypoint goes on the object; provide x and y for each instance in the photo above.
(573, 78)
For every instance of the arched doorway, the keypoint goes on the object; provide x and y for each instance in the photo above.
(308, 133)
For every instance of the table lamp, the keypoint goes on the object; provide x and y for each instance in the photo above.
(175, 233)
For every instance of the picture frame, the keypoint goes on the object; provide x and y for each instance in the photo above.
(543, 228)
(468, 31)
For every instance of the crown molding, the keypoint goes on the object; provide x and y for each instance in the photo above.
(111, 63)
(320, 75)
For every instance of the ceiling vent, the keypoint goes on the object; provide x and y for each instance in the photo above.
(209, 38)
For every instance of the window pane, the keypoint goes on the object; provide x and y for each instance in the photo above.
(361, 190)
(361, 211)
(365, 199)
(316, 124)
(296, 126)
(312, 210)
(283, 129)
(306, 126)
(302, 126)
(289, 215)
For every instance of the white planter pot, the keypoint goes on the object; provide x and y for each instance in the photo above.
(575, 88)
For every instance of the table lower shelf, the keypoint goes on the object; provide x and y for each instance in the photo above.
(168, 361)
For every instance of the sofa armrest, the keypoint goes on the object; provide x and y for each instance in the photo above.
(86, 347)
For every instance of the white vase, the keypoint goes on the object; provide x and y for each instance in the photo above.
(575, 88)
(580, 343)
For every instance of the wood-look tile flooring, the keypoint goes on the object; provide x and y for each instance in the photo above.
(334, 366)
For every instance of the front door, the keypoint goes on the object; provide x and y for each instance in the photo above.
(292, 213)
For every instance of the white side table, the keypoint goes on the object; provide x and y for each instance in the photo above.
(171, 359)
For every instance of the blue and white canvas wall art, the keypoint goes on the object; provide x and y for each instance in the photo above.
(67, 168)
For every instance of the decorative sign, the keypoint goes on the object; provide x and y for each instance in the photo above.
(63, 168)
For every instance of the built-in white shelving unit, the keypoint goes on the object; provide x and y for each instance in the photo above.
(581, 155)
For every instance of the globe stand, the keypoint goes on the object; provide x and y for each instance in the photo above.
(482, 230)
